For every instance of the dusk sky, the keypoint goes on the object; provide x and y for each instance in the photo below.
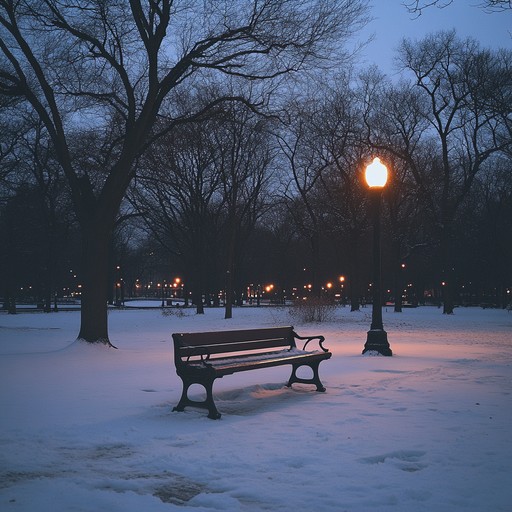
(393, 22)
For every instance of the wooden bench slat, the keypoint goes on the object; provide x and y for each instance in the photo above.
(222, 337)
(240, 359)
(242, 363)
(234, 346)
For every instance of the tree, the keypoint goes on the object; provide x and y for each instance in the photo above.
(301, 145)
(405, 223)
(417, 6)
(348, 215)
(451, 117)
(453, 75)
(244, 164)
(491, 224)
(110, 67)
(201, 195)
(178, 194)
(55, 214)
(396, 122)
(343, 153)
(38, 218)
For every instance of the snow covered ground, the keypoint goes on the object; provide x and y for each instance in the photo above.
(90, 429)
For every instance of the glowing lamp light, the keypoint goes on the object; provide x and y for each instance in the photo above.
(376, 174)
(377, 339)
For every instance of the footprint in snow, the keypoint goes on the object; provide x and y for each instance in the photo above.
(405, 460)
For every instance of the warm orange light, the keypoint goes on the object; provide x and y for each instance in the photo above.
(329, 285)
(342, 279)
(376, 174)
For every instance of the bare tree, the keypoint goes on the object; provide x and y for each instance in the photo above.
(301, 145)
(32, 181)
(244, 162)
(348, 215)
(177, 191)
(462, 132)
(396, 117)
(12, 131)
(341, 139)
(495, 229)
(109, 67)
(417, 6)
(37, 158)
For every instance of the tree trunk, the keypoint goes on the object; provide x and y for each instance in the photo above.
(198, 290)
(198, 299)
(449, 273)
(398, 285)
(353, 278)
(448, 297)
(229, 294)
(95, 251)
(11, 305)
(398, 282)
(315, 263)
(230, 271)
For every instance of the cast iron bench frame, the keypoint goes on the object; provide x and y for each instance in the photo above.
(238, 351)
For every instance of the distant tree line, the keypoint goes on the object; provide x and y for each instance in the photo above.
(106, 80)
(231, 195)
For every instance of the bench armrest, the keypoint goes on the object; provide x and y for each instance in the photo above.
(320, 339)
(202, 352)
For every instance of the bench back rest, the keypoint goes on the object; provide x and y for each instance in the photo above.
(223, 342)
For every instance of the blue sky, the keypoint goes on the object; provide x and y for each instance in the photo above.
(392, 22)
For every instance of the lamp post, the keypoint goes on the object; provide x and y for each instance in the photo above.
(377, 339)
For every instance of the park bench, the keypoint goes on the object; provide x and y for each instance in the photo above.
(202, 357)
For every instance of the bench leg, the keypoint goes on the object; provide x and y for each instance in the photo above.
(209, 404)
(314, 380)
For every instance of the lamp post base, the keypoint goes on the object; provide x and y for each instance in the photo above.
(377, 341)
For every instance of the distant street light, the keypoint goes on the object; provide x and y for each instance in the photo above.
(377, 339)
(342, 281)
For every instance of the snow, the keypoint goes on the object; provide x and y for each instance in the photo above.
(86, 428)
(235, 360)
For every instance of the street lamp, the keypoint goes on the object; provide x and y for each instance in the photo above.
(377, 339)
